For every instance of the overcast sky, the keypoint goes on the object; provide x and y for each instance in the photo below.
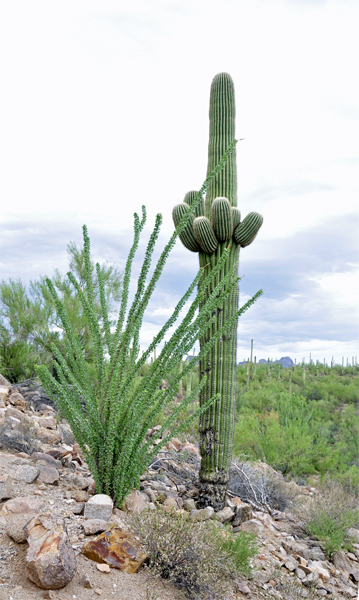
(104, 107)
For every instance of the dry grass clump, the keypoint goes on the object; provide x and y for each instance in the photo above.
(329, 515)
(198, 557)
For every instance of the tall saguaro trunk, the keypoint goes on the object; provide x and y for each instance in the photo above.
(215, 227)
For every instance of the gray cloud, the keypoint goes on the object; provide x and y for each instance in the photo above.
(293, 308)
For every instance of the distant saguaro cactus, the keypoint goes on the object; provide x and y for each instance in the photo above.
(216, 226)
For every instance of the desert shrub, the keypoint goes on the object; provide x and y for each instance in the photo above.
(196, 557)
(241, 548)
(262, 488)
(288, 438)
(329, 515)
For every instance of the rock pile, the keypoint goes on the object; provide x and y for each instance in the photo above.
(48, 500)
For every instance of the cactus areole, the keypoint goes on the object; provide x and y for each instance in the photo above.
(217, 225)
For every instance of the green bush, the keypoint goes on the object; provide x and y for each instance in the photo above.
(329, 515)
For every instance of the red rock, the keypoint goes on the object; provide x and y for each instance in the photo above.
(117, 548)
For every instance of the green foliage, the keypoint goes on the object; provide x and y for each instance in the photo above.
(110, 413)
(197, 557)
(240, 547)
(314, 430)
(29, 317)
(329, 516)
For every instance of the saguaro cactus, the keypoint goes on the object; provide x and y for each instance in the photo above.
(217, 225)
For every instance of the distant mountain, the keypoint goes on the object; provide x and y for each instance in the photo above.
(285, 361)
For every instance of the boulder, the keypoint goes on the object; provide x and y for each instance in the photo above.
(50, 559)
(117, 548)
(99, 507)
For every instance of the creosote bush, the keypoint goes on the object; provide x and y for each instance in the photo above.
(329, 515)
(198, 557)
(111, 409)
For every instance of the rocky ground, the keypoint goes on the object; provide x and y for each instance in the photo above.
(47, 493)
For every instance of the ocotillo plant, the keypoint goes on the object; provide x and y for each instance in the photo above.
(109, 418)
(217, 227)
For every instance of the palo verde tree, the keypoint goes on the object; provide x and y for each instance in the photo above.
(216, 228)
(110, 417)
(29, 322)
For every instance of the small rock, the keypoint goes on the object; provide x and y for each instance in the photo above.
(49, 595)
(15, 526)
(26, 473)
(50, 460)
(203, 514)
(78, 508)
(99, 507)
(5, 488)
(17, 400)
(92, 526)
(118, 549)
(98, 591)
(243, 588)
(300, 573)
(48, 474)
(340, 561)
(151, 494)
(50, 559)
(81, 496)
(103, 567)
(85, 581)
(252, 526)
(243, 512)
(136, 502)
(22, 504)
(291, 565)
(189, 504)
(48, 436)
(225, 515)
(170, 502)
